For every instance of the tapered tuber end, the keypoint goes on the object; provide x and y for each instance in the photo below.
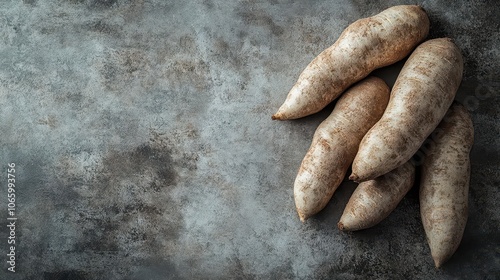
(341, 226)
(439, 258)
(277, 116)
(354, 178)
(438, 263)
(302, 217)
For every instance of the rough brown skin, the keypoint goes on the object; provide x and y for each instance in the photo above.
(374, 200)
(423, 92)
(444, 184)
(335, 143)
(365, 45)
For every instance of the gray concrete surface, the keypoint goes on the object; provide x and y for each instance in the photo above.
(144, 147)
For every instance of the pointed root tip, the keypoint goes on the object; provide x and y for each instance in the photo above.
(302, 217)
(276, 116)
(354, 178)
(438, 263)
(340, 225)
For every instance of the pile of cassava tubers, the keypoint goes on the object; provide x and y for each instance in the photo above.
(378, 131)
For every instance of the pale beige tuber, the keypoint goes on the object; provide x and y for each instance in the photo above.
(374, 200)
(335, 144)
(365, 45)
(444, 184)
(422, 93)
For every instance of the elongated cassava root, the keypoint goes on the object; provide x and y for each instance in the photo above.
(365, 45)
(423, 92)
(379, 134)
(335, 144)
(444, 183)
(374, 200)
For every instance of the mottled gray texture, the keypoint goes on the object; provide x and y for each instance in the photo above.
(145, 149)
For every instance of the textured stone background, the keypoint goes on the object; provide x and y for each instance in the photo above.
(144, 145)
